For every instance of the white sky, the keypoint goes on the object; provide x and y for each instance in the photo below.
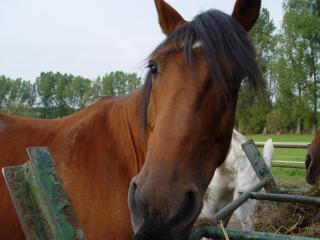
(88, 37)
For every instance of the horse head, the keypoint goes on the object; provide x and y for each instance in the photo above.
(312, 160)
(188, 110)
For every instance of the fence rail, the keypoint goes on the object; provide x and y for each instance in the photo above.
(287, 164)
(301, 145)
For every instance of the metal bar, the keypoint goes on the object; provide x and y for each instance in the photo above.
(228, 209)
(217, 234)
(259, 166)
(285, 198)
(42, 205)
(285, 145)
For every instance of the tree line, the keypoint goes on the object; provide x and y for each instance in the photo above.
(289, 59)
(55, 95)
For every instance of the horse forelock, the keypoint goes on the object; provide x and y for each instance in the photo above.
(223, 41)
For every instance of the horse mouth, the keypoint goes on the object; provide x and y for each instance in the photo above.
(311, 180)
(163, 232)
(163, 235)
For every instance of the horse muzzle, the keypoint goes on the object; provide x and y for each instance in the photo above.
(162, 217)
(311, 176)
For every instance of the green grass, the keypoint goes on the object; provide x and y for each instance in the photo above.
(285, 153)
(287, 177)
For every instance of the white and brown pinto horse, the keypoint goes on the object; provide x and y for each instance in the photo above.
(231, 179)
(170, 134)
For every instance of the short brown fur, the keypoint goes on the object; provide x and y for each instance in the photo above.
(89, 153)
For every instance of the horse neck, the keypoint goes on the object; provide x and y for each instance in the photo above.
(127, 127)
(117, 128)
(132, 124)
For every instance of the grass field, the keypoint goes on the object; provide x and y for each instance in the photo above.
(285, 176)
(285, 153)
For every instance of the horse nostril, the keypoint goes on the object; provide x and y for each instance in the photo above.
(308, 161)
(133, 188)
(132, 195)
(187, 210)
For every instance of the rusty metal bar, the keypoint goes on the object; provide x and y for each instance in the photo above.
(42, 205)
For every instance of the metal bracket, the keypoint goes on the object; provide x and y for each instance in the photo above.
(260, 167)
(42, 205)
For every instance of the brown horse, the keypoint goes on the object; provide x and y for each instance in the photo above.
(313, 160)
(176, 129)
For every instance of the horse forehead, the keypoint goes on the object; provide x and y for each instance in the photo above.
(177, 47)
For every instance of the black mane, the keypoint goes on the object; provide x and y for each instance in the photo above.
(218, 33)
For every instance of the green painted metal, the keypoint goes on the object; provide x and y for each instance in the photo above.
(259, 166)
(43, 208)
(217, 234)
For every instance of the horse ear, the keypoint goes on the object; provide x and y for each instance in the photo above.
(169, 18)
(246, 12)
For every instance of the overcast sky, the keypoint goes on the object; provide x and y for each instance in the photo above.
(88, 37)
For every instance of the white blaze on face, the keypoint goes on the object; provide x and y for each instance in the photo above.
(197, 44)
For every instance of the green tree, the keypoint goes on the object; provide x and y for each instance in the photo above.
(251, 113)
(14, 90)
(56, 95)
(4, 90)
(79, 92)
(119, 83)
(27, 95)
(277, 121)
(264, 41)
(46, 88)
(96, 88)
(301, 34)
(63, 82)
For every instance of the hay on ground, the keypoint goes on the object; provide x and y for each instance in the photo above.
(289, 218)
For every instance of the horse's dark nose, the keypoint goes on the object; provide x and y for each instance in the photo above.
(308, 161)
(167, 215)
(311, 174)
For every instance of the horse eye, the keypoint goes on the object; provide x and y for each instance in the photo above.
(153, 68)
